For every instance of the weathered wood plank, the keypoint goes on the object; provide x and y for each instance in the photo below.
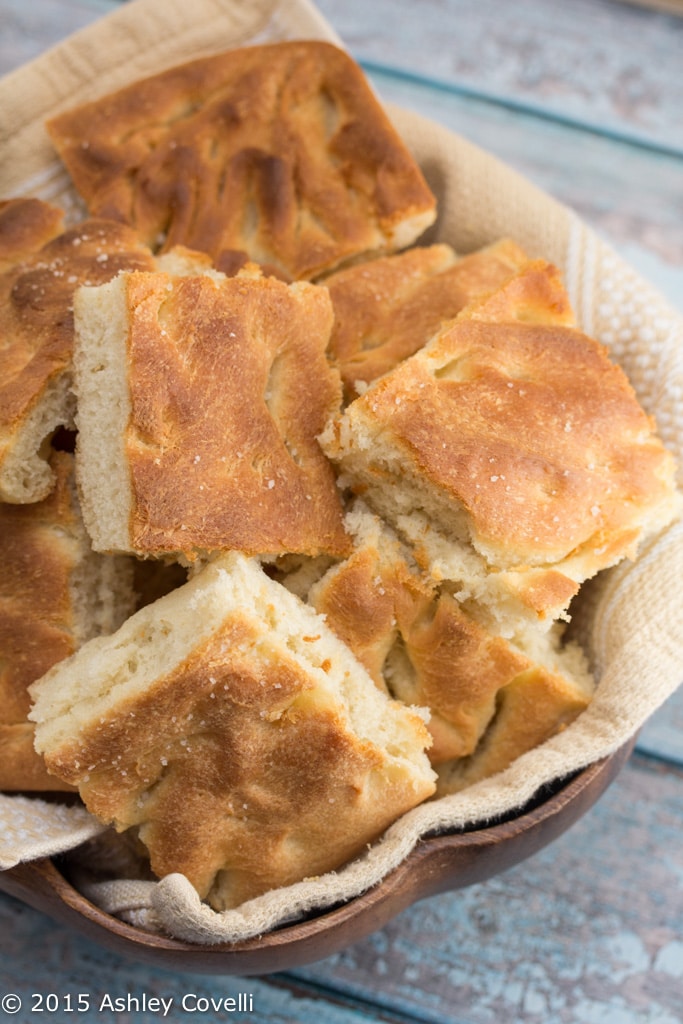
(598, 62)
(632, 196)
(38, 958)
(590, 930)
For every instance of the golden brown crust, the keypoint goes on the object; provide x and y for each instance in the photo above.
(26, 225)
(534, 295)
(220, 786)
(281, 150)
(543, 592)
(387, 309)
(542, 589)
(456, 668)
(36, 616)
(36, 319)
(230, 387)
(21, 769)
(527, 427)
(237, 763)
(358, 599)
(421, 646)
(366, 598)
(532, 708)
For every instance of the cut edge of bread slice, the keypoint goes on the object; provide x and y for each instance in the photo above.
(25, 474)
(73, 593)
(100, 369)
(422, 645)
(108, 671)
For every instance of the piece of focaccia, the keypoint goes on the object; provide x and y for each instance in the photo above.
(386, 309)
(281, 151)
(36, 335)
(511, 452)
(422, 646)
(55, 593)
(26, 225)
(200, 398)
(236, 732)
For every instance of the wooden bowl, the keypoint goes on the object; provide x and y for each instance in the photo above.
(437, 864)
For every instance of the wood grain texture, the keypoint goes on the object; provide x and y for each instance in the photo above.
(589, 930)
(584, 98)
(598, 62)
(39, 957)
(630, 195)
(438, 863)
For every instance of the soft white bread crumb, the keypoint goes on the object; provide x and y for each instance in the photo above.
(100, 381)
(511, 451)
(25, 474)
(160, 636)
(55, 594)
(423, 646)
(241, 737)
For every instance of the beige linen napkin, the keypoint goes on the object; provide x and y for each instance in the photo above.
(630, 619)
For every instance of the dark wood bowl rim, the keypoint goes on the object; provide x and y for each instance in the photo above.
(437, 863)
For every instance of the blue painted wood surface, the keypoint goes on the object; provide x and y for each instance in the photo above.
(594, 63)
(630, 194)
(590, 926)
(586, 100)
(588, 930)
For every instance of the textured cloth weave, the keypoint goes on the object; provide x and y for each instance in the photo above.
(630, 619)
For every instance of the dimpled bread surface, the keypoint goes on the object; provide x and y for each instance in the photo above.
(386, 309)
(236, 732)
(36, 338)
(26, 225)
(200, 398)
(511, 452)
(281, 151)
(55, 593)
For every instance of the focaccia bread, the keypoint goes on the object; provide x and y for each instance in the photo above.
(535, 705)
(36, 334)
(55, 594)
(386, 309)
(490, 699)
(511, 452)
(26, 225)
(281, 151)
(200, 398)
(236, 732)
